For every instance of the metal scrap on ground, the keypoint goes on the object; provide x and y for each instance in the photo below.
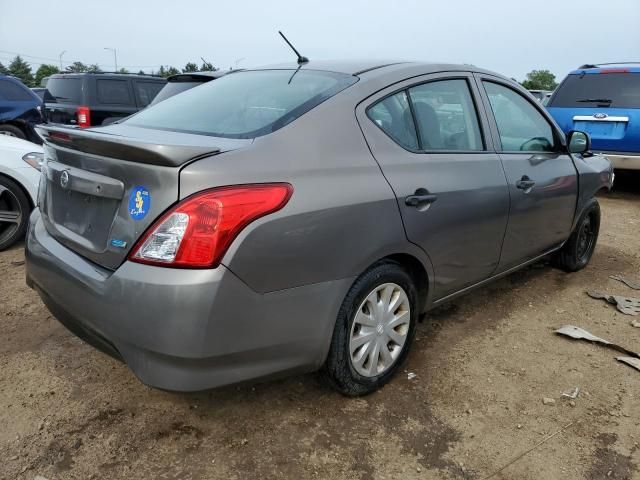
(581, 334)
(632, 362)
(628, 283)
(626, 305)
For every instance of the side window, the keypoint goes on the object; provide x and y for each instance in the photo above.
(12, 92)
(393, 116)
(520, 125)
(446, 116)
(113, 91)
(147, 91)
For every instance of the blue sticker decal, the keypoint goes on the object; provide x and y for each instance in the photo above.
(139, 203)
(118, 243)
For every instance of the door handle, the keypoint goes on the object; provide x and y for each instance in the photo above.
(420, 198)
(525, 183)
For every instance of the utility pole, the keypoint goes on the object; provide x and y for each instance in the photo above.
(115, 57)
(60, 57)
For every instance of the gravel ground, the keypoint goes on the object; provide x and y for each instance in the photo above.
(483, 365)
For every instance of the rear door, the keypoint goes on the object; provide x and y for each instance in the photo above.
(433, 146)
(113, 98)
(543, 182)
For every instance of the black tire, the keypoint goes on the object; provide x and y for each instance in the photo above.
(338, 368)
(13, 199)
(12, 131)
(576, 253)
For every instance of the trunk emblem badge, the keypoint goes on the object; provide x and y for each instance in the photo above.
(64, 179)
(118, 243)
(600, 115)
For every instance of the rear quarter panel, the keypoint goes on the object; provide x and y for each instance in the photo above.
(342, 217)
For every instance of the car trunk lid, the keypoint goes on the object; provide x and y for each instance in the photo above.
(103, 188)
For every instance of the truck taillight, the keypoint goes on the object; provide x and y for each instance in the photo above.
(83, 115)
(197, 231)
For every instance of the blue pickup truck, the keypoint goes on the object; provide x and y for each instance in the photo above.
(604, 101)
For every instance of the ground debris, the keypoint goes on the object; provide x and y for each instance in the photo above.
(581, 334)
(628, 283)
(572, 394)
(632, 362)
(548, 401)
(626, 305)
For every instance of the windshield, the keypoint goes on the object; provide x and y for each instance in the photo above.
(64, 90)
(621, 90)
(246, 104)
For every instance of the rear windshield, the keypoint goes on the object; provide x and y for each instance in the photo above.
(173, 88)
(245, 104)
(621, 90)
(64, 90)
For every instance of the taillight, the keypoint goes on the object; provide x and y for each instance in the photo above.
(197, 231)
(83, 115)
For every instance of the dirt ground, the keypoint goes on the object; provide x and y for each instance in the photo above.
(483, 365)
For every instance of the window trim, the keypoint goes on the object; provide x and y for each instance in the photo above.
(559, 139)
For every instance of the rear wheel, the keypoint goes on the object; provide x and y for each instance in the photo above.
(12, 131)
(14, 212)
(577, 252)
(374, 330)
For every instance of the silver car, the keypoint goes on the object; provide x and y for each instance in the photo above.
(302, 217)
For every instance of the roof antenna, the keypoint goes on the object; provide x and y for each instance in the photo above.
(301, 60)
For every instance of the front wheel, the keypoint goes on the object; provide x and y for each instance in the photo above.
(576, 253)
(374, 329)
(14, 212)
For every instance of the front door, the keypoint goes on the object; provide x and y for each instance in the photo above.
(433, 147)
(543, 181)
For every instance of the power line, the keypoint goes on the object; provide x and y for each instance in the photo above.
(70, 62)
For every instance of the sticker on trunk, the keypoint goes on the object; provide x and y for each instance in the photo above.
(139, 203)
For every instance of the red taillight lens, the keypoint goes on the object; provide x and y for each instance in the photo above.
(83, 115)
(197, 231)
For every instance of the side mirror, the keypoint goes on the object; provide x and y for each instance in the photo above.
(579, 142)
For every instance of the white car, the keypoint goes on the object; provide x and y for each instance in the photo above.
(19, 177)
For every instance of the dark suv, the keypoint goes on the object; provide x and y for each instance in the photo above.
(89, 99)
(20, 110)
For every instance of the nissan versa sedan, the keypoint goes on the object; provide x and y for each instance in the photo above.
(302, 217)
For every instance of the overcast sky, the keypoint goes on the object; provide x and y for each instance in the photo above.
(501, 35)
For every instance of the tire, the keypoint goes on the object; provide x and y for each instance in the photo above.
(13, 201)
(12, 131)
(357, 374)
(576, 253)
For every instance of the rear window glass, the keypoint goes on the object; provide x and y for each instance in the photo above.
(13, 92)
(621, 90)
(245, 104)
(147, 91)
(113, 92)
(173, 88)
(64, 90)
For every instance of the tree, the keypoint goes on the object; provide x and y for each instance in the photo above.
(540, 80)
(43, 71)
(123, 70)
(207, 66)
(167, 71)
(3, 70)
(94, 68)
(76, 67)
(190, 67)
(22, 70)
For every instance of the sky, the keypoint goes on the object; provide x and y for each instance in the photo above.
(507, 36)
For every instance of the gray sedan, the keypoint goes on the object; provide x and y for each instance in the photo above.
(303, 217)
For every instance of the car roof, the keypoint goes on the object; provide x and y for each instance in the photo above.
(375, 67)
(196, 76)
(105, 75)
(593, 69)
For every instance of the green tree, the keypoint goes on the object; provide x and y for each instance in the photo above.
(22, 70)
(190, 67)
(76, 67)
(207, 66)
(123, 70)
(43, 71)
(540, 80)
(167, 71)
(94, 68)
(3, 70)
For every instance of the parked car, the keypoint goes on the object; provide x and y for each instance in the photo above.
(540, 95)
(39, 91)
(604, 101)
(300, 217)
(19, 177)
(20, 110)
(185, 81)
(88, 99)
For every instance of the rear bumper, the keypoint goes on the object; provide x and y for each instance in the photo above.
(183, 330)
(623, 161)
